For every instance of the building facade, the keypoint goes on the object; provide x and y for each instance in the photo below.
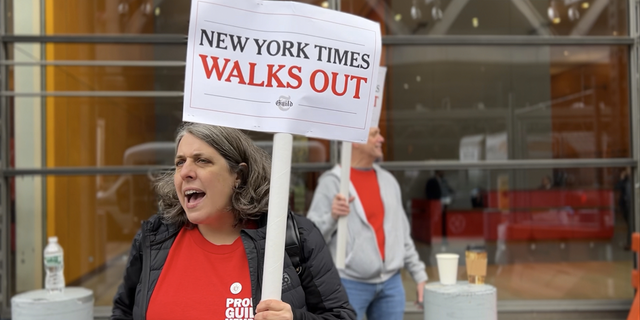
(522, 113)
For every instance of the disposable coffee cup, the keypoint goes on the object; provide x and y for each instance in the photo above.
(476, 261)
(447, 267)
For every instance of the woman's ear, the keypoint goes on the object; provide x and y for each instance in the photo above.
(241, 173)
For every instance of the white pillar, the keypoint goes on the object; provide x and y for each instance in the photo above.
(28, 150)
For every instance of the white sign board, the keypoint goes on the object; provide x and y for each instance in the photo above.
(472, 148)
(280, 66)
(497, 146)
(377, 103)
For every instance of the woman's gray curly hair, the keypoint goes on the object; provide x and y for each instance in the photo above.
(249, 200)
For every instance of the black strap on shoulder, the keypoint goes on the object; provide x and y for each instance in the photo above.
(292, 242)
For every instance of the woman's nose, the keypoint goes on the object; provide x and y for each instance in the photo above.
(187, 171)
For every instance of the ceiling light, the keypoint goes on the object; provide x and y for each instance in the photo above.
(552, 12)
(585, 5)
(418, 78)
(573, 13)
(123, 8)
(325, 4)
(474, 21)
(398, 17)
(436, 13)
(416, 13)
(148, 8)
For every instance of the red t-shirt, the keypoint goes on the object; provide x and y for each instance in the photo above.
(201, 280)
(366, 184)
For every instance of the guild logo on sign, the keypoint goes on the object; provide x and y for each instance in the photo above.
(236, 288)
(284, 103)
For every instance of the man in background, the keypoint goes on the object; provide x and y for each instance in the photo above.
(379, 243)
(438, 188)
(623, 187)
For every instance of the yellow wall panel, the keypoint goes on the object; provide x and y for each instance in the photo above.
(73, 212)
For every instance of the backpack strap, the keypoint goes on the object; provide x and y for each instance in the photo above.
(292, 242)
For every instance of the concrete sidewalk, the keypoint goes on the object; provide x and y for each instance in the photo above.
(413, 313)
(613, 315)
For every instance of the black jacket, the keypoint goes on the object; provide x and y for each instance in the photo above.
(315, 293)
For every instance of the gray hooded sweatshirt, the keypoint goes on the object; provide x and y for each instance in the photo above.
(363, 261)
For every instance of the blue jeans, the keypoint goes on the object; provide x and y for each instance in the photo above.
(379, 301)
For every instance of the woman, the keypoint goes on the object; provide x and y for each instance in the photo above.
(202, 256)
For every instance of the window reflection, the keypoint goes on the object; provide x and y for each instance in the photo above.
(116, 78)
(549, 233)
(112, 131)
(123, 16)
(496, 17)
(475, 103)
(398, 17)
(95, 223)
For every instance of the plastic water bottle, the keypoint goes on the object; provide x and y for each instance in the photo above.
(54, 266)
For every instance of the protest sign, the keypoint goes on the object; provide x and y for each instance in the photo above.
(377, 104)
(345, 177)
(281, 67)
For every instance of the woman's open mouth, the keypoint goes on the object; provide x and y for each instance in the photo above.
(193, 198)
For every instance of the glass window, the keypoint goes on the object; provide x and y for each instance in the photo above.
(111, 78)
(496, 17)
(305, 150)
(122, 17)
(110, 131)
(116, 52)
(474, 103)
(558, 233)
(125, 131)
(95, 219)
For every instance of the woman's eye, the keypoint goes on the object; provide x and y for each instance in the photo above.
(203, 160)
(179, 163)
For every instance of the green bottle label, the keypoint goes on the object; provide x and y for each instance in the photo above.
(53, 260)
